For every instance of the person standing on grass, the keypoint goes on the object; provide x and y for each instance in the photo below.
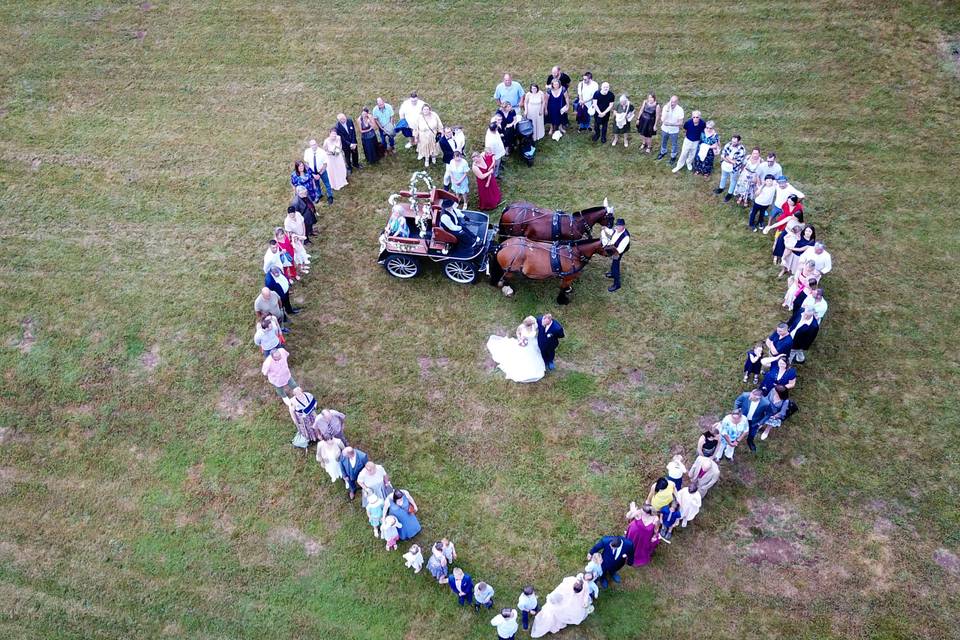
(402, 506)
(347, 131)
(267, 335)
(488, 191)
(731, 163)
(643, 531)
(368, 136)
(508, 125)
(493, 144)
(821, 258)
(693, 130)
(623, 116)
(294, 225)
(409, 116)
(302, 175)
(779, 399)
(373, 479)
(770, 167)
(748, 180)
(506, 624)
(456, 176)
(558, 104)
(482, 596)
(671, 118)
(330, 423)
(509, 91)
(733, 428)
(277, 371)
(779, 374)
(707, 151)
(753, 406)
(562, 78)
(351, 464)
(272, 257)
(527, 603)
(586, 89)
(316, 160)
(617, 242)
(603, 105)
(462, 586)
(704, 471)
(761, 202)
(278, 283)
(779, 342)
(784, 191)
(615, 552)
(268, 304)
(534, 108)
(803, 332)
(647, 122)
(336, 159)
(383, 112)
(328, 455)
(429, 126)
(437, 564)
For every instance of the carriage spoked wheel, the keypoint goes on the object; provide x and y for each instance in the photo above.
(403, 267)
(460, 271)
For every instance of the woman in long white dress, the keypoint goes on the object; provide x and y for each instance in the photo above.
(519, 358)
(534, 106)
(328, 454)
(567, 604)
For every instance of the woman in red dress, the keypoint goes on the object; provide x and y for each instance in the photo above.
(286, 253)
(487, 187)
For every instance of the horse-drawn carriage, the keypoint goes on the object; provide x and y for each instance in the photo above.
(420, 238)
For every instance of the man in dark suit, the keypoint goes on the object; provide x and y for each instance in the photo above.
(615, 552)
(278, 283)
(351, 464)
(617, 243)
(348, 139)
(756, 409)
(462, 585)
(549, 332)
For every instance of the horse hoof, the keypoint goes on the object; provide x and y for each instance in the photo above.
(507, 291)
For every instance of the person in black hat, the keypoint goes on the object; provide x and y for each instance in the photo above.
(617, 242)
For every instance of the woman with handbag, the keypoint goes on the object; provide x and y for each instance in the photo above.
(429, 127)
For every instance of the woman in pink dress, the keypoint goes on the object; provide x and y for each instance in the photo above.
(643, 532)
(487, 188)
(336, 167)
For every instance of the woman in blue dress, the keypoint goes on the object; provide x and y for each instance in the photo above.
(403, 508)
(456, 177)
(303, 177)
(558, 104)
(711, 140)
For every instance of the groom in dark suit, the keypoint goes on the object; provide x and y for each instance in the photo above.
(616, 551)
(549, 332)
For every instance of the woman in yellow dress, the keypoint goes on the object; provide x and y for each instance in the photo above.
(428, 126)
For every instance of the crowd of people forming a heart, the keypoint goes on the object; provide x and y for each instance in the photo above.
(754, 178)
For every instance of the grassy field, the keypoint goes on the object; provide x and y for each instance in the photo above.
(147, 485)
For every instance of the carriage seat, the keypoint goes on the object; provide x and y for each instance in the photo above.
(442, 235)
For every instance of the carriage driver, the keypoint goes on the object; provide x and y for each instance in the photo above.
(617, 241)
(451, 220)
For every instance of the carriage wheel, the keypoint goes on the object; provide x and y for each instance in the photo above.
(403, 267)
(460, 271)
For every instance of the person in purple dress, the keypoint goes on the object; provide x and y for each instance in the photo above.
(643, 532)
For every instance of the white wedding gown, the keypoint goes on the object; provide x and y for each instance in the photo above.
(518, 363)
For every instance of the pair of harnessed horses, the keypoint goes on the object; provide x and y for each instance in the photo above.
(544, 244)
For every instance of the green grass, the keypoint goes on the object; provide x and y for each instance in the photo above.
(139, 179)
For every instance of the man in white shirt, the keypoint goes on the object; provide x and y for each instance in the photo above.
(410, 113)
(506, 624)
(671, 117)
(770, 168)
(784, 191)
(820, 257)
(316, 160)
(586, 89)
(616, 240)
(271, 258)
(817, 303)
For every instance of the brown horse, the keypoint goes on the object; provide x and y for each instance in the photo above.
(542, 260)
(526, 220)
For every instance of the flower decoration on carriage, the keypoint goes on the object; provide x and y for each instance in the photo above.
(423, 216)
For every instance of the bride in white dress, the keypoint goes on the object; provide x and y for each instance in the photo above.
(519, 358)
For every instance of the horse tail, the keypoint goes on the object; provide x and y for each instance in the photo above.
(496, 271)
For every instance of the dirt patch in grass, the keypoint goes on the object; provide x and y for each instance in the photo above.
(428, 365)
(232, 341)
(597, 467)
(25, 341)
(283, 536)
(151, 358)
(9, 435)
(231, 405)
(948, 560)
(776, 534)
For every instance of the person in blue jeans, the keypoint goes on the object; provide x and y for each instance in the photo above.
(383, 113)
(671, 118)
(732, 158)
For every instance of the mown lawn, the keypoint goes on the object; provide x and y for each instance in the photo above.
(147, 484)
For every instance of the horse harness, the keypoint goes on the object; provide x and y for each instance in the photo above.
(556, 253)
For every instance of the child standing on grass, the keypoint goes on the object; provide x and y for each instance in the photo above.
(414, 559)
(374, 512)
(390, 532)
(482, 596)
(594, 565)
(449, 551)
(752, 364)
(669, 517)
(437, 564)
(527, 604)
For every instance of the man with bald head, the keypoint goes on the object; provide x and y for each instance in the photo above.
(348, 139)
(268, 303)
(509, 91)
(559, 76)
(671, 118)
